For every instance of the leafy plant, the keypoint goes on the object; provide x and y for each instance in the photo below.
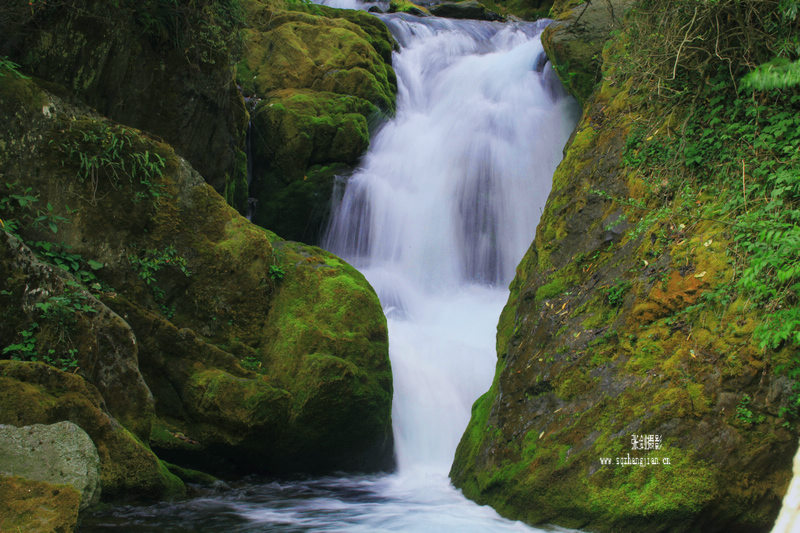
(113, 153)
(9, 68)
(154, 260)
(150, 264)
(276, 273)
(615, 294)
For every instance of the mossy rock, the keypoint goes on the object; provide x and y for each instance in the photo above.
(330, 356)
(167, 71)
(522, 9)
(301, 140)
(35, 393)
(210, 299)
(466, 9)
(574, 43)
(60, 454)
(404, 6)
(603, 338)
(37, 506)
(104, 346)
(321, 79)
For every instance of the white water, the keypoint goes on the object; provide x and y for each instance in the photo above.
(444, 206)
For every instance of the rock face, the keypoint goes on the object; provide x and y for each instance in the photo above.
(319, 79)
(575, 41)
(258, 352)
(611, 348)
(58, 454)
(37, 506)
(160, 67)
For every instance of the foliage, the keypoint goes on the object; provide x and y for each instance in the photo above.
(615, 294)
(744, 413)
(8, 67)
(83, 269)
(672, 42)
(53, 328)
(154, 261)
(100, 150)
(780, 73)
(276, 273)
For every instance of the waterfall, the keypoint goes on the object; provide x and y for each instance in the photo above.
(444, 206)
(438, 215)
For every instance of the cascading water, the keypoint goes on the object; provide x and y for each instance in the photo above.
(444, 206)
(438, 216)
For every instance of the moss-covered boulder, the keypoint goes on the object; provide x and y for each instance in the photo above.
(320, 79)
(36, 393)
(574, 42)
(466, 9)
(630, 391)
(304, 138)
(164, 67)
(258, 352)
(521, 9)
(37, 506)
(59, 454)
(404, 6)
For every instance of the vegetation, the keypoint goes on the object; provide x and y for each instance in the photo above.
(111, 152)
(737, 143)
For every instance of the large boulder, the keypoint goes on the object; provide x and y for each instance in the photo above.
(467, 9)
(37, 506)
(257, 351)
(626, 393)
(319, 79)
(59, 454)
(164, 67)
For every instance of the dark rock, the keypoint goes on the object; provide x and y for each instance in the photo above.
(468, 9)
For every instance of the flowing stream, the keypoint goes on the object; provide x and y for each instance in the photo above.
(440, 212)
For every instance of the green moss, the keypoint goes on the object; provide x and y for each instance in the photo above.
(187, 475)
(549, 290)
(303, 139)
(405, 6)
(37, 506)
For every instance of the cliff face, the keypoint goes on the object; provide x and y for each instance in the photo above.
(628, 337)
